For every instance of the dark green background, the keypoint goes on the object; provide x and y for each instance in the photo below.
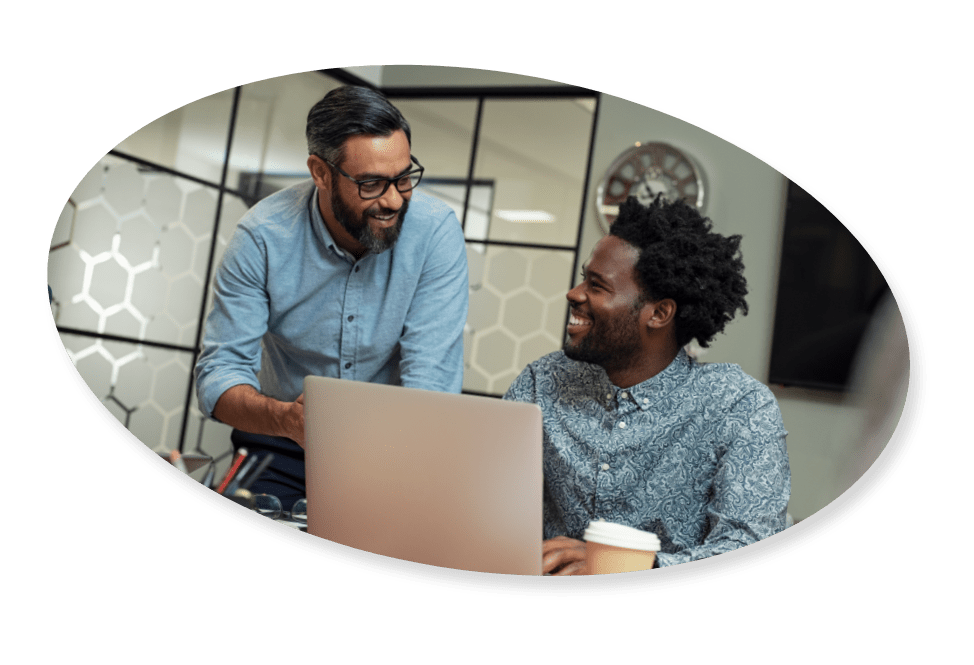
(110, 564)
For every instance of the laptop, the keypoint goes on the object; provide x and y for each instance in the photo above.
(435, 478)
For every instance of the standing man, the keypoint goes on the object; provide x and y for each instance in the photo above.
(351, 274)
(635, 431)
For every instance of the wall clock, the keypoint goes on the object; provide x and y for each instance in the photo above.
(643, 171)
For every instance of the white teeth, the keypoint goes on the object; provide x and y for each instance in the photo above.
(575, 321)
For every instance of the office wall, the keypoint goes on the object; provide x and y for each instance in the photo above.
(454, 77)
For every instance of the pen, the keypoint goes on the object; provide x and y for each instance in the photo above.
(237, 461)
(247, 466)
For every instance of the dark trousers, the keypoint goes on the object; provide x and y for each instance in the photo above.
(284, 478)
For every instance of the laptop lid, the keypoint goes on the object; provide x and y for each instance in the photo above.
(436, 478)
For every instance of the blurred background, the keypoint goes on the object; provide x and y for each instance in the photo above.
(520, 160)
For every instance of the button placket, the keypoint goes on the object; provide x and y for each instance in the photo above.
(349, 331)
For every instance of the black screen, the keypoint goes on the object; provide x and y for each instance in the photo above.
(828, 288)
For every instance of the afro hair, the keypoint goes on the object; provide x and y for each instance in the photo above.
(682, 259)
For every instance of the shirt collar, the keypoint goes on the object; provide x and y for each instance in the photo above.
(647, 393)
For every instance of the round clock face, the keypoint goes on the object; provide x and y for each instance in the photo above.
(643, 171)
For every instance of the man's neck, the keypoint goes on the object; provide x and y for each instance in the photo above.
(643, 368)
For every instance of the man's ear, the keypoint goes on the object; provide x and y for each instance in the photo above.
(661, 313)
(320, 172)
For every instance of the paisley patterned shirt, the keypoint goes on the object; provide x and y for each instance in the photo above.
(696, 454)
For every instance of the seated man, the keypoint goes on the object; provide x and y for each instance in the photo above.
(351, 274)
(635, 431)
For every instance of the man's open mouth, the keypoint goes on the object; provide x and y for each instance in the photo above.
(385, 220)
(575, 322)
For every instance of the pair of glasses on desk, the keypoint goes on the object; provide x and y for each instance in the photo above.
(269, 505)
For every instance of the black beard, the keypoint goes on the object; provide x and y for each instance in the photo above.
(616, 345)
(361, 230)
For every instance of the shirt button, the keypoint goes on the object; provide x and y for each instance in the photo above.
(645, 400)
(609, 396)
(347, 365)
(623, 395)
(351, 318)
(605, 467)
(622, 425)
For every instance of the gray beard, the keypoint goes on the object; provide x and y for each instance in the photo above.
(361, 231)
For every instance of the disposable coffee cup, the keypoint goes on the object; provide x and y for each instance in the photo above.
(616, 548)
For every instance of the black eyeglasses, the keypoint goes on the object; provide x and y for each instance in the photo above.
(376, 187)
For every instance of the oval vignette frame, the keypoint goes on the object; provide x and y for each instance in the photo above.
(794, 539)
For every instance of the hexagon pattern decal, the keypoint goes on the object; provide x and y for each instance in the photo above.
(517, 312)
(128, 259)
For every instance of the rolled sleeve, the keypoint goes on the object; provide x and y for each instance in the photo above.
(231, 349)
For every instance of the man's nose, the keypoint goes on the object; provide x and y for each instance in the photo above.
(575, 295)
(392, 199)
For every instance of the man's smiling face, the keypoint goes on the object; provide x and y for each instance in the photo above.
(605, 325)
(368, 224)
(375, 228)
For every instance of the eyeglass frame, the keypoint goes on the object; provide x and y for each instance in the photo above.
(388, 181)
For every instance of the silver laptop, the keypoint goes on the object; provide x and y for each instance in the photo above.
(436, 478)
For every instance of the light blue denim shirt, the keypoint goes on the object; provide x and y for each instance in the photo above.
(696, 454)
(284, 286)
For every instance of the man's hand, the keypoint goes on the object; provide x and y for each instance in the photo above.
(249, 411)
(563, 556)
(296, 420)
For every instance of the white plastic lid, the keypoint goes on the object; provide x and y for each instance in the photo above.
(619, 535)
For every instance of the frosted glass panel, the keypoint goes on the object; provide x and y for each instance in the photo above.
(143, 387)
(517, 312)
(208, 437)
(453, 194)
(131, 252)
(535, 152)
(191, 139)
(269, 138)
(442, 134)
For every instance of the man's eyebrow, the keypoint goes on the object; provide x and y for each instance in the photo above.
(379, 176)
(588, 272)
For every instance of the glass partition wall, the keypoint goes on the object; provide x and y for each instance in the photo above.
(134, 251)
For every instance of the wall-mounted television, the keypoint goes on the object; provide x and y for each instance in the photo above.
(828, 289)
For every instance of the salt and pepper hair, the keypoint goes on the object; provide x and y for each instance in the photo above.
(350, 111)
(681, 258)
